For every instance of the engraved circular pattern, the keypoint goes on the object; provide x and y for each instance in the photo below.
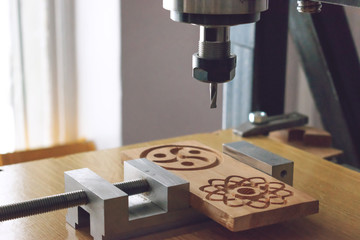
(182, 157)
(254, 192)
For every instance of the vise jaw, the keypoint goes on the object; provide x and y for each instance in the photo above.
(112, 214)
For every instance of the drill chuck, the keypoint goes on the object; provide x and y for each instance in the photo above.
(214, 63)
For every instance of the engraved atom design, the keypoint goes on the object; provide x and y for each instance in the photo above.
(255, 192)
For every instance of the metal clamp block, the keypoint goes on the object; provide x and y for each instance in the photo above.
(265, 161)
(112, 214)
(259, 123)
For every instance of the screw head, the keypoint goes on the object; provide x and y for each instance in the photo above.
(258, 117)
(308, 6)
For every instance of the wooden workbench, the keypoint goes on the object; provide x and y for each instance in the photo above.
(336, 187)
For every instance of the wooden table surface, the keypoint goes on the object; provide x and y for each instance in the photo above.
(336, 187)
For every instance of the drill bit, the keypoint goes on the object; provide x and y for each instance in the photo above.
(213, 94)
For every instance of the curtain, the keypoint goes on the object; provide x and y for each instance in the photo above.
(7, 128)
(43, 73)
(63, 73)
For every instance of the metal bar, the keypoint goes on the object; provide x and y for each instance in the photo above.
(261, 159)
(343, 61)
(270, 59)
(329, 59)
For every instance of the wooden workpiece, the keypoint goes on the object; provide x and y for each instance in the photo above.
(309, 139)
(334, 186)
(231, 193)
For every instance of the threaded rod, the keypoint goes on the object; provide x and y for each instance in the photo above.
(63, 200)
(133, 187)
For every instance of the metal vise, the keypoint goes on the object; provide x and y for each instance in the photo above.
(117, 211)
(112, 214)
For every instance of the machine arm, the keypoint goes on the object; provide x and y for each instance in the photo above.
(214, 63)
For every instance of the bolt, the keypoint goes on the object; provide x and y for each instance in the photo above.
(309, 6)
(258, 117)
(63, 200)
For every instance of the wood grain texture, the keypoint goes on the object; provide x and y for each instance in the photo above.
(336, 187)
(231, 193)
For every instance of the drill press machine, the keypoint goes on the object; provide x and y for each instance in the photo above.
(214, 62)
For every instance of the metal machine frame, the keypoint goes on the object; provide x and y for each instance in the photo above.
(331, 64)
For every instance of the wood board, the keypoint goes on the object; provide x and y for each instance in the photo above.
(49, 152)
(309, 139)
(231, 193)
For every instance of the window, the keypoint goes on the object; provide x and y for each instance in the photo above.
(7, 128)
(55, 78)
